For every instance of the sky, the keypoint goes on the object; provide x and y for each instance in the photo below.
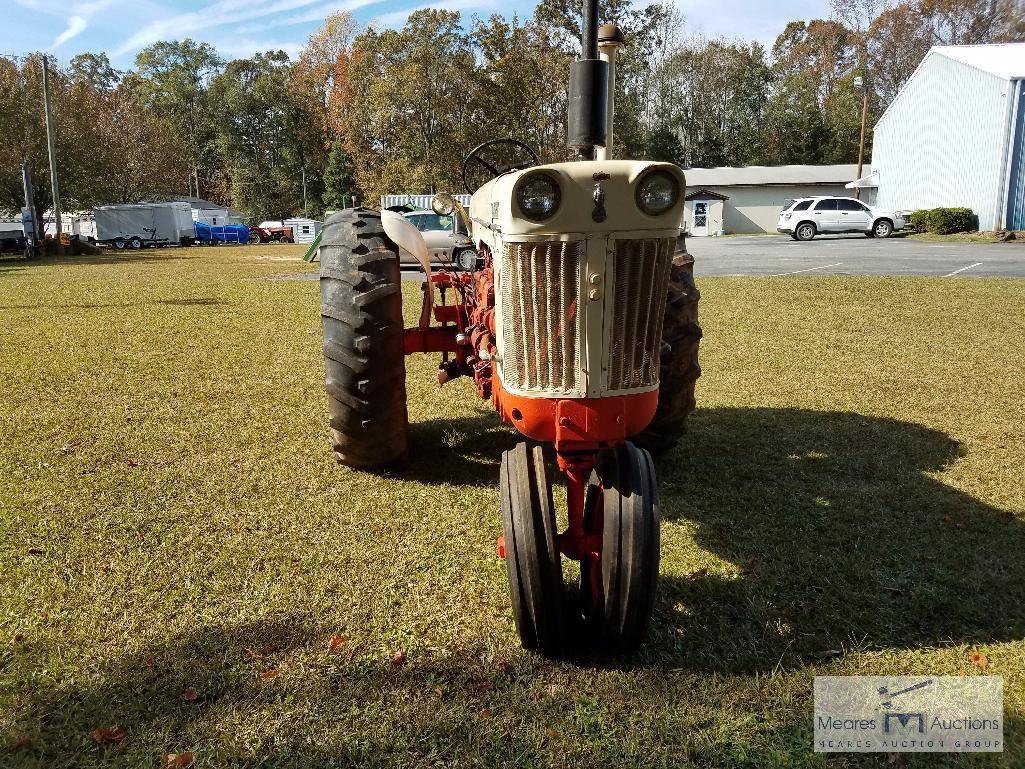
(238, 28)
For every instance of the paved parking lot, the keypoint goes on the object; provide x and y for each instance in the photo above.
(778, 255)
(854, 255)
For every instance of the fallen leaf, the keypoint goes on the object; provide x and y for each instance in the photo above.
(505, 667)
(132, 463)
(484, 686)
(269, 673)
(22, 742)
(180, 760)
(979, 659)
(552, 733)
(107, 734)
(337, 642)
(440, 692)
(699, 574)
(190, 695)
(486, 713)
(893, 758)
(35, 551)
(251, 655)
(398, 659)
(18, 638)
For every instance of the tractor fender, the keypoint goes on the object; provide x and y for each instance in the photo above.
(403, 234)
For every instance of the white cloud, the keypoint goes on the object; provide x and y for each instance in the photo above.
(214, 15)
(76, 25)
(314, 14)
(398, 18)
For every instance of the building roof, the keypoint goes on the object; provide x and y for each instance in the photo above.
(199, 203)
(704, 194)
(1006, 60)
(749, 176)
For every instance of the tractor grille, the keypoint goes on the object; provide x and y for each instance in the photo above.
(642, 277)
(542, 324)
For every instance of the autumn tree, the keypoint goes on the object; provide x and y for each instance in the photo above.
(109, 149)
(414, 103)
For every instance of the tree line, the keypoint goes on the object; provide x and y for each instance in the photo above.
(365, 111)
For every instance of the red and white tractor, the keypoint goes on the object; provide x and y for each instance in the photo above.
(581, 329)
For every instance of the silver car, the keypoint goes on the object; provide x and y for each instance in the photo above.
(446, 238)
(804, 218)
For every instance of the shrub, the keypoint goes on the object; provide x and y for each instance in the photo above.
(919, 220)
(942, 221)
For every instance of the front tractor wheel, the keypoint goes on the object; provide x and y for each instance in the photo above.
(678, 366)
(531, 555)
(364, 360)
(618, 587)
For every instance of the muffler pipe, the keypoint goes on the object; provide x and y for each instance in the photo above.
(588, 89)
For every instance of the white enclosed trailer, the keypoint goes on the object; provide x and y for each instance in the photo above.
(145, 224)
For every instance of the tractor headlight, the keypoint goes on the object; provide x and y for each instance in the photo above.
(657, 192)
(538, 196)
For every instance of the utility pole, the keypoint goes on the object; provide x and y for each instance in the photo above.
(859, 82)
(51, 143)
(31, 238)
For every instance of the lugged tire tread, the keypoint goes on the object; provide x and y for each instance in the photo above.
(361, 314)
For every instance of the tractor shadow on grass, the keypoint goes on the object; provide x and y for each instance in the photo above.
(260, 678)
(103, 258)
(829, 532)
(831, 536)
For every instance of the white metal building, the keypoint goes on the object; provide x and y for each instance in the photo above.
(955, 136)
(747, 200)
(421, 202)
(304, 230)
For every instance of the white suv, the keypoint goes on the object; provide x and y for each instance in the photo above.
(805, 218)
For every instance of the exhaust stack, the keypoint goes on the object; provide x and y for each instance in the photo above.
(610, 40)
(588, 90)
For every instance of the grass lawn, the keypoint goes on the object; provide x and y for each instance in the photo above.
(178, 546)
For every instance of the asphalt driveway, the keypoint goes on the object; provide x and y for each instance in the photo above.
(854, 255)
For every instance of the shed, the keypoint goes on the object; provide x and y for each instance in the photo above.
(748, 199)
(304, 230)
(955, 136)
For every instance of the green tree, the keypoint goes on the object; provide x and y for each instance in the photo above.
(339, 182)
(266, 139)
(95, 69)
(173, 79)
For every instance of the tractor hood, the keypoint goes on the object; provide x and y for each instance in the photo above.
(595, 196)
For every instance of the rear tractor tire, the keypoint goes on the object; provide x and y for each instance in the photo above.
(678, 367)
(532, 557)
(364, 360)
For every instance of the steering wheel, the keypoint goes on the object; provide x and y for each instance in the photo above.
(494, 158)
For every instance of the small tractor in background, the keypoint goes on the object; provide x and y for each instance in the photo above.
(581, 329)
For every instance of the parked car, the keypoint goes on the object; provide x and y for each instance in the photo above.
(446, 238)
(805, 218)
